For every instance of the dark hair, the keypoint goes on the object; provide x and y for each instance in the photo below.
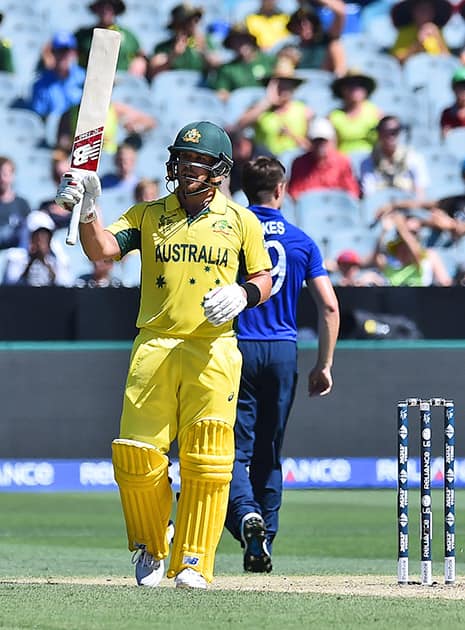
(387, 119)
(260, 178)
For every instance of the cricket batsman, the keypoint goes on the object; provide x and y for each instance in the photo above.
(185, 366)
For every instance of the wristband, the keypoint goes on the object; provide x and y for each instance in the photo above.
(253, 294)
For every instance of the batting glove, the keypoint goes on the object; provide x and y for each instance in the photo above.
(78, 186)
(222, 305)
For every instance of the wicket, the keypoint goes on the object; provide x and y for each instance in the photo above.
(426, 515)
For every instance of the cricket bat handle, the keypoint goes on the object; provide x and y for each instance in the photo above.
(73, 228)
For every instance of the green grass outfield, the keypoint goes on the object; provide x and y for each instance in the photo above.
(64, 565)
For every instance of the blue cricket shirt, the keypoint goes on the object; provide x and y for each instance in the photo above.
(296, 258)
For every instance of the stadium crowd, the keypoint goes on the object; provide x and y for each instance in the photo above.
(363, 103)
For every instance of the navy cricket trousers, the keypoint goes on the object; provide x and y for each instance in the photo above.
(266, 394)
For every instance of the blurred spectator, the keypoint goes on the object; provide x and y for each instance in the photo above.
(435, 220)
(403, 260)
(189, 48)
(348, 271)
(323, 166)
(13, 209)
(59, 165)
(60, 87)
(356, 120)
(279, 121)
(268, 25)
(459, 277)
(319, 50)
(244, 149)
(454, 116)
(146, 189)
(37, 265)
(393, 164)
(248, 68)
(135, 122)
(131, 57)
(101, 276)
(419, 24)
(124, 178)
(6, 57)
(287, 59)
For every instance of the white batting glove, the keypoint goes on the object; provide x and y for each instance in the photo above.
(79, 185)
(223, 304)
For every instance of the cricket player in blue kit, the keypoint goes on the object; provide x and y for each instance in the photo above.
(267, 337)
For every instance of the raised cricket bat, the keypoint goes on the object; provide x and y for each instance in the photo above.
(93, 110)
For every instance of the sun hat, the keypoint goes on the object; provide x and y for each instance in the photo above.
(401, 13)
(353, 76)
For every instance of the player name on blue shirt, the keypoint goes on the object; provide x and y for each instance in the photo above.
(296, 258)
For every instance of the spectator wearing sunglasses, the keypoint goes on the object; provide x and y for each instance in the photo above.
(392, 163)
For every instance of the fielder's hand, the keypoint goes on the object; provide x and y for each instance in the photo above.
(223, 304)
(79, 185)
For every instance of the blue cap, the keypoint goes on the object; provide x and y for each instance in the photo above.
(63, 39)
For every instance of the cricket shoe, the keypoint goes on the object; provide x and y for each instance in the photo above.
(188, 578)
(257, 558)
(149, 570)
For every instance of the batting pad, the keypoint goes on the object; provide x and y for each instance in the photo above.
(141, 473)
(206, 455)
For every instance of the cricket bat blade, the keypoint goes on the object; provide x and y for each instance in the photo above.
(93, 110)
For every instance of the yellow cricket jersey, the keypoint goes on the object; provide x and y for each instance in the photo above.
(183, 259)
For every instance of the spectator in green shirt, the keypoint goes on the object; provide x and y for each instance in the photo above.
(248, 68)
(189, 48)
(6, 58)
(131, 58)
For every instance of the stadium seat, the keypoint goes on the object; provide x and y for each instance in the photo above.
(129, 88)
(384, 68)
(454, 143)
(430, 71)
(288, 210)
(152, 158)
(445, 171)
(130, 270)
(321, 212)
(69, 14)
(10, 89)
(192, 104)
(454, 31)
(316, 78)
(174, 82)
(241, 99)
(34, 165)
(147, 20)
(372, 203)
(357, 45)
(356, 159)
(396, 102)
(363, 241)
(450, 259)
(79, 264)
(113, 203)
(22, 126)
(376, 23)
(320, 100)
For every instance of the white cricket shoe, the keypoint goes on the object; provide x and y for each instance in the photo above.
(149, 571)
(188, 578)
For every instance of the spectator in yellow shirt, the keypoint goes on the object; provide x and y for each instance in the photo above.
(268, 25)
(419, 24)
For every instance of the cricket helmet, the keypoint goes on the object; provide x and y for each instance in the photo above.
(205, 138)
